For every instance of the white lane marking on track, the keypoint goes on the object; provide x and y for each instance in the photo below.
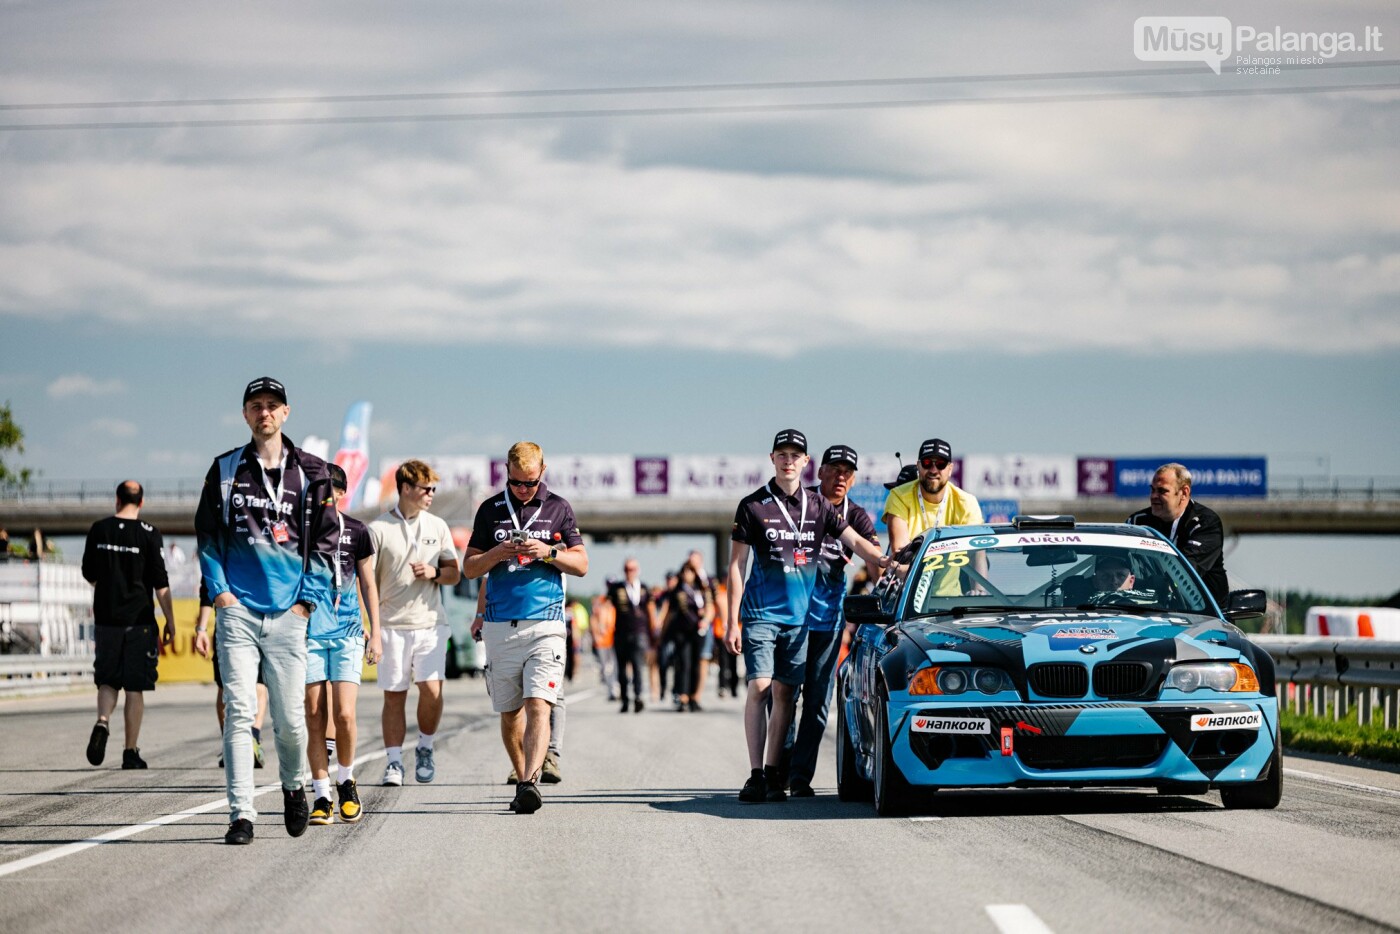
(1016, 919)
(121, 833)
(920, 820)
(1327, 780)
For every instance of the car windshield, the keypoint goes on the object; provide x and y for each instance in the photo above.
(1035, 569)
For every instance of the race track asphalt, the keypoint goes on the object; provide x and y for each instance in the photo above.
(645, 834)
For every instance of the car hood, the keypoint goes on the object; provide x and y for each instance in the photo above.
(1091, 636)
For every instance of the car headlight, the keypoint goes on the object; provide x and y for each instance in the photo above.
(946, 680)
(1212, 676)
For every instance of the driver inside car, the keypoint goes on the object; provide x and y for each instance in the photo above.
(1112, 573)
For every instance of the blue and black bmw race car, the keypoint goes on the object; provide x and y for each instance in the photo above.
(1049, 652)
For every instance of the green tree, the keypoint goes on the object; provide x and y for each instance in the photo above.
(11, 438)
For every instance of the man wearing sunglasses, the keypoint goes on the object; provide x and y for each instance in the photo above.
(524, 540)
(931, 501)
(416, 559)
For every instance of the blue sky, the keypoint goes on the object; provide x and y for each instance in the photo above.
(1116, 277)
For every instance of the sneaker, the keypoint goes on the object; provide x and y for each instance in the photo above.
(773, 778)
(322, 812)
(550, 774)
(801, 788)
(423, 770)
(97, 743)
(512, 778)
(754, 788)
(639, 706)
(294, 812)
(257, 754)
(694, 707)
(240, 832)
(393, 774)
(625, 704)
(350, 810)
(131, 759)
(221, 760)
(678, 705)
(527, 798)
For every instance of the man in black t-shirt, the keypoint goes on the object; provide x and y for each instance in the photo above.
(124, 559)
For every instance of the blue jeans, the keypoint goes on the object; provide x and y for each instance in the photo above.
(815, 693)
(247, 638)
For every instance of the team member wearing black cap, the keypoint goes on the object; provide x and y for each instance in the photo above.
(931, 501)
(824, 615)
(125, 560)
(267, 543)
(783, 525)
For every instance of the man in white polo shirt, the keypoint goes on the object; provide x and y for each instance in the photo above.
(416, 558)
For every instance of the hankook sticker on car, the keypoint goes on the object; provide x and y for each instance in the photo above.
(1252, 720)
(950, 725)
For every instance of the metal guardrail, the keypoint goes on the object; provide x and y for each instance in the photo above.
(40, 674)
(1340, 675)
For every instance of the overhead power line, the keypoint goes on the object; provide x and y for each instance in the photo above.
(832, 83)
(699, 110)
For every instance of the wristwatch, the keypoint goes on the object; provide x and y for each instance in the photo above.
(553, 553)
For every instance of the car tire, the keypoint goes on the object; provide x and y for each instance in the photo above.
(1262, 795)
(893, 796)
(850, 784)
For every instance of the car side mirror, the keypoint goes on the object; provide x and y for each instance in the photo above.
(1246, 604)
(865, 608)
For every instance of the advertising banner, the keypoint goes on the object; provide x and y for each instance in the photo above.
(1210, 476)
(1096, 476)
(871, 498)
(583, 477)
(999, 511)
(1020, 476)
(724, 478)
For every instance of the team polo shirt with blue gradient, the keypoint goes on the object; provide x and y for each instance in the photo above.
(242, 555)
(342, 619)
(779, 587)
(533, 590)
(824, 613)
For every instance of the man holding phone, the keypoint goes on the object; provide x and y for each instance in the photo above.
(524, 540)
(416, 559)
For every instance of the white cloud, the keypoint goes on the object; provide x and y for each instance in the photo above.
(1261, 224)
(113, 427)
(80, 384)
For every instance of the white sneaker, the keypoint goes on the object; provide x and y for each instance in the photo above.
(393, 774)
(425, 769)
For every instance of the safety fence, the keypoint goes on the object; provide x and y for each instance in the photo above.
(42, 674)
(1348, 677)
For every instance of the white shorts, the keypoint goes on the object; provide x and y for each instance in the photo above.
(413, 655)
(524, 659)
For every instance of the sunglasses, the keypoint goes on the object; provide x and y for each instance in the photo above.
(525, 484)
(427, 490)
(935, 463)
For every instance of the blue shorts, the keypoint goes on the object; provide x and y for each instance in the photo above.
(707, 645)
(775, 651)
(335, 659)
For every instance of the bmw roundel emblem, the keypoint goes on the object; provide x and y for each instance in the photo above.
(1088, 649)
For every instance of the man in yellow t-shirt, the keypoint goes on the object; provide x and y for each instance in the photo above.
(932, 501)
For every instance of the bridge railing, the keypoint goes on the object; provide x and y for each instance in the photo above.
(1338, 675)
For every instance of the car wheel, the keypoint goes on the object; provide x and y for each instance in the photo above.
(1262, 795)
(893, 796)
(850, 784)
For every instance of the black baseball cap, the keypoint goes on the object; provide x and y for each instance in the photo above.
(906, 473)
(839, 454)
(265, 384)
(935, 447)
(790, 438)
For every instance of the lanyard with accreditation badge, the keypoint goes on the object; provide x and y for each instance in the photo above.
(521, 560)
(277, 528)
(799, 553)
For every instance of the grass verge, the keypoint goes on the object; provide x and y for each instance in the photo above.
(1342, 738)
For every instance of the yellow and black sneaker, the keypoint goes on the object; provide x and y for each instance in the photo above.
(323, 812)
(350, 809)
